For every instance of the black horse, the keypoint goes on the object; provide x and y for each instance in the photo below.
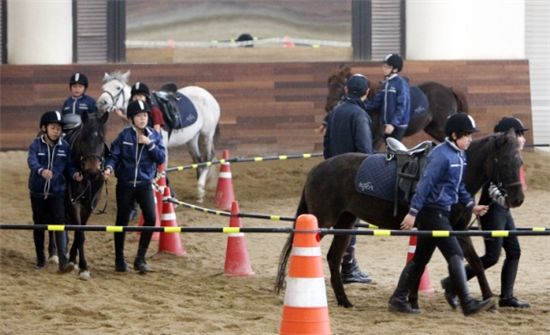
(330, 195)
(88, 151)
(442, 101)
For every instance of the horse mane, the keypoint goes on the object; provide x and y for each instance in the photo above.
(336, 83)
(115, 75)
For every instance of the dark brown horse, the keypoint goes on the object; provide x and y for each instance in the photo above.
(88, 150)
(330, 195)
(443, 101)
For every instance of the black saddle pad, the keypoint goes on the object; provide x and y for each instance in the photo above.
(419, 102)
(178, 110)
(376, 177)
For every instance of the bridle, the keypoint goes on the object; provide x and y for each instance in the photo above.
(121, 94)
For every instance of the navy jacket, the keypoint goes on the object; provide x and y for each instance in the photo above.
(57, 159)
(79, 105)
(441, 184)
(136, 164)
(347, 129)
(394, 102)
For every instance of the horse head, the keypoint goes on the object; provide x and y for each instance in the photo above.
(116, 92)
(496, 159)
(504, 167)
(88, 148)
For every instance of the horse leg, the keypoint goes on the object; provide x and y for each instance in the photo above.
(52, 248)
(194, 151)
(477, 266)
(334, 258)
(83, 273)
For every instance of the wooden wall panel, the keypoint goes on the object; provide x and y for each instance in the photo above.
(267, 108)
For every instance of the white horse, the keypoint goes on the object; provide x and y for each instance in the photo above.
(198, 137)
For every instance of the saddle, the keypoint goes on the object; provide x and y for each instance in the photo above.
(178, 111)
(410, 164)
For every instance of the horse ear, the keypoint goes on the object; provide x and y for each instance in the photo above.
(104, 117)
(84, 117)
(126, 76)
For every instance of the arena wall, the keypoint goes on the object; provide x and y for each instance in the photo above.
(267, 108)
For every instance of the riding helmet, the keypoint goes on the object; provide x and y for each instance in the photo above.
(395, 61)
(50, 117)
(460, 123)
(78, 78)
(140, 88)
(357, 85)
(136, 107)
(507, 123)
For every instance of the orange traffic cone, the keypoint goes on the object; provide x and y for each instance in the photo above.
(237, 262)
(169, 242)
(305, 308)
(425, 285)
(224, 191)
(158, 196)
(287, 42)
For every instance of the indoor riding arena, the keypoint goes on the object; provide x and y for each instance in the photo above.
(272, 98)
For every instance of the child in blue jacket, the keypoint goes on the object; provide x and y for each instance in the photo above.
(393, 100)
(50, 165)
(135, 154)
(76, 104)
(439, 188)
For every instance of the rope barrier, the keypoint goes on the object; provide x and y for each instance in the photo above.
(243, 160)
(535, 231)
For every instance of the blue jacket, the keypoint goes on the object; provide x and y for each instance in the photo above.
(57, 159)
(441, 184)
(347, 129)
(394, 102)
(85, 103)
(136, 164)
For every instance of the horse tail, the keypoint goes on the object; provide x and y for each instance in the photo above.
(461, 100)
(285, 253)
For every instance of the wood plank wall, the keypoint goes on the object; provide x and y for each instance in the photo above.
(267, 108)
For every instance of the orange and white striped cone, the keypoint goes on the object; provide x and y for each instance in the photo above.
(425, 285)
(287, 42)
(237, 262)
(169, 242)
(305, 308)
(224, 191)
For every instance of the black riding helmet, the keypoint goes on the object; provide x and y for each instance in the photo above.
(395, 61)
(50, 117)
(357, 85)
(507, 123)
(139, 88)
(136, 107)
(460, 123)
(78, 78)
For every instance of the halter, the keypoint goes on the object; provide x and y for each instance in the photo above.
(120, 93)
(498, 182)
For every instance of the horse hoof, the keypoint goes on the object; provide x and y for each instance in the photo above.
(53, 259)
(85, 275)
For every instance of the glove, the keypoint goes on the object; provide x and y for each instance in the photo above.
(496, 195)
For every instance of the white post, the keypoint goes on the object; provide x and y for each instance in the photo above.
(40, 32)
(465, 29)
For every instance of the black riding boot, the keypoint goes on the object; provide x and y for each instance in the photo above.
(38, 236)
(450, 292)
(507, 280)
(139, 263)
(120, 262)
(61, 240)
(458, 277)
(398, 301)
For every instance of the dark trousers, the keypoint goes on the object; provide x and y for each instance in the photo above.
(50, 211)
(126, 196)
(398, 133)
(434, 219)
